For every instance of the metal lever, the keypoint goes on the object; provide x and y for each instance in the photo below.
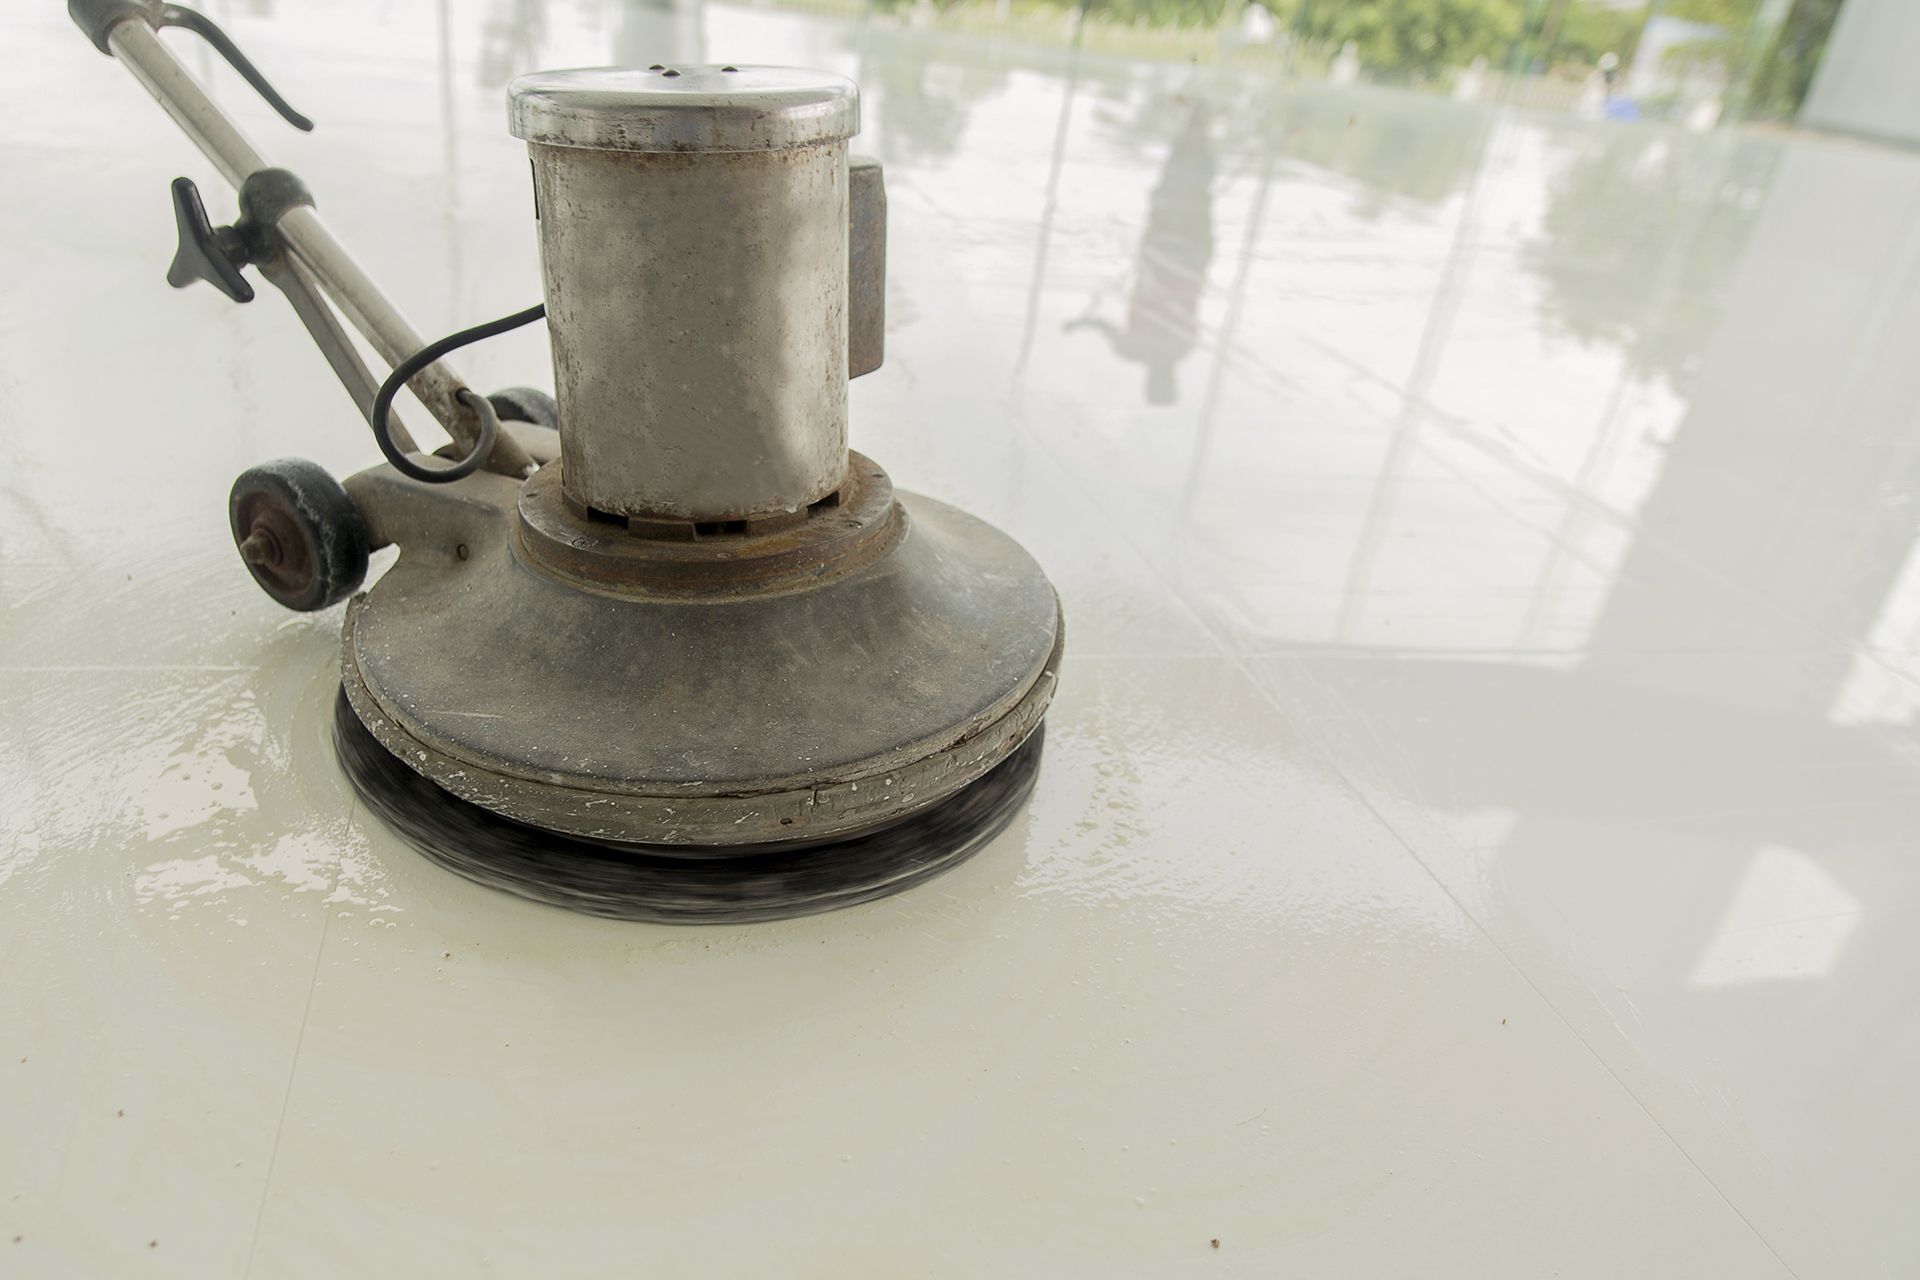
(206, 252)
(176, 15)
(98, 18)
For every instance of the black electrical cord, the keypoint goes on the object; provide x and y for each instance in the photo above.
(489, 420)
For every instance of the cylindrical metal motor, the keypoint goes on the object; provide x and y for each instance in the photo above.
(693, 234)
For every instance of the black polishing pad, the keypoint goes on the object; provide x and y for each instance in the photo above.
(659, 883)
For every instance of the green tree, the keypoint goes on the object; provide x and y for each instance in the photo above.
(1731, 16)
(1734, 18)
(1642, 233)
(1162, 13)
(1786, 73)
(1415, 39)
(1587, 31)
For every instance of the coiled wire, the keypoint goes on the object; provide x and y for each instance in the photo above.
(489, 420)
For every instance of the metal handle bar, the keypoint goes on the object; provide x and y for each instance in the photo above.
(127, 29)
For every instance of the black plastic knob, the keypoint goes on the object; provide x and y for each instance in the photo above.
(206, 252)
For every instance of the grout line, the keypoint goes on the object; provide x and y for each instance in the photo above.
(1509, 453)
(1480, 927)
(286, 1098)
(299, 1043)
(1552, 1006)
(1237, 654)
(1331, 757)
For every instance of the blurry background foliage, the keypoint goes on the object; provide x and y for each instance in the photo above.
(1768, 49)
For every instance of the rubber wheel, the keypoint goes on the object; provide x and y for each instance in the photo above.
(299, 534)
(526, 404)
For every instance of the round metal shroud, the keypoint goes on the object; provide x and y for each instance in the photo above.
(716, 720)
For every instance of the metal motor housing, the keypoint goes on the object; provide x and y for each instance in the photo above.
(705, 623)
(694, 235)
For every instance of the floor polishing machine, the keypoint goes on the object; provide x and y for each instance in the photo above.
(657, 646)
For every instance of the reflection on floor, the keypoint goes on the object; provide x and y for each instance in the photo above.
(1475, 832)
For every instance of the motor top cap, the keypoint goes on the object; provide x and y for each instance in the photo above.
(683, 108)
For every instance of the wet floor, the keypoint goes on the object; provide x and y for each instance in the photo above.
(1475, 834)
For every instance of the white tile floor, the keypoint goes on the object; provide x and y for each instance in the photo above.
(1477, 824)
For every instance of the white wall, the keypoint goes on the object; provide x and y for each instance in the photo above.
(1869, 80)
